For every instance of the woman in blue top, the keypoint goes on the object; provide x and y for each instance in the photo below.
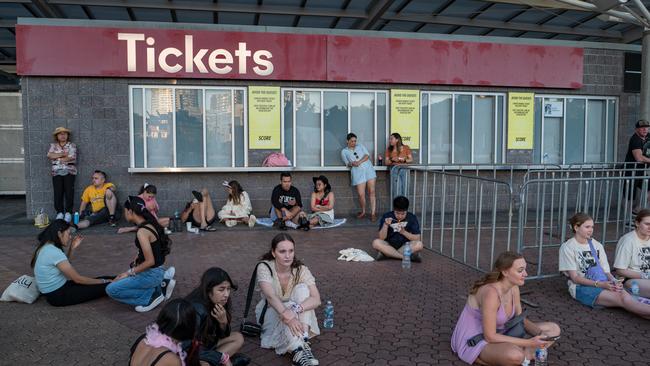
(363, 174)
(61, 284)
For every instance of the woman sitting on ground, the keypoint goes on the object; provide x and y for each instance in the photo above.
(290, 291)
(213, 305)
(161, 344)
(576, 259)
(493, 304)
(200, 211)
(238, 206)
(61, 284)
(322, 203)
(146, 284)
(148, 194)
(632, 260)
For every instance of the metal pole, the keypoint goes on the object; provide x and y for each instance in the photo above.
(644, 111)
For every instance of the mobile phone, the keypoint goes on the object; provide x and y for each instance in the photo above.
(551, 339)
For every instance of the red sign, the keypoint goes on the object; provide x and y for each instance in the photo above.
(180, 53)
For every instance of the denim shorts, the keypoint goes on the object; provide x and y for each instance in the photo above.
(587, 295)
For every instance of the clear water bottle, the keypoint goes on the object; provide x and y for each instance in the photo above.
(406, 260)
(75, 218)
(329, 315)
(634, 288)
(541, 356)
(177, 224)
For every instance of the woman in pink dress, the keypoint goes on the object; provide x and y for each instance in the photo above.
(492, 302)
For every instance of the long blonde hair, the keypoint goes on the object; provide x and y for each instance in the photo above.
(503, 262)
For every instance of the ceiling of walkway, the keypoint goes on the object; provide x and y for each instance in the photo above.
(538, 19)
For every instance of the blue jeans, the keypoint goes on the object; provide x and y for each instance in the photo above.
(398, 181)
(139, 289)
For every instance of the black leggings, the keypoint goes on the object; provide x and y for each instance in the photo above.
(63, 187)
(72, 293)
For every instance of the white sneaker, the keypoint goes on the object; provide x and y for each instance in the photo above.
(168, 287)
(291, 224)
(169, 273)
(167, 231)
(155, 302)
(231, 223)
(252, 220)
(306, 348)
(59, 216)
(67, 217)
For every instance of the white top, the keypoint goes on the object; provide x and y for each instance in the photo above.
(577, 257)
(632, 253)
(263, 275)
(243, 209)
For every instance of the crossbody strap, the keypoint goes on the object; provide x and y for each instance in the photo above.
(595, 255)
(251, 288)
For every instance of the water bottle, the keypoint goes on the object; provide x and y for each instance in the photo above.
(329, 315)
(541, 356)
(406, 260)
(178, 225)
(380, 161)
(634, 288)
(75, 219)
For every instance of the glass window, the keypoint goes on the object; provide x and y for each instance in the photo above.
(382, 135)
(362, 120)
(575, 131)
(335, 115)
(463, 129)
(218, 125)
(537, 133)
(288, 124)
(189, 128)
(308, 128)
(137, 119)
(611, 130)
(483, 131)
(440, 111)
(552, 128)
(239, 108)
(597, 127)
(159, 141)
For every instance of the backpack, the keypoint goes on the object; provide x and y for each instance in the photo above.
(276, 159)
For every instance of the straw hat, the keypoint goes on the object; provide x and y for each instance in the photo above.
(58, 130)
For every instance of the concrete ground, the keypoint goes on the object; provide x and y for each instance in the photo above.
(383, 314)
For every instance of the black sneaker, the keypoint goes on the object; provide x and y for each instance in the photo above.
(306, 348)
(167, 287)
(198, 196)
(240, 359)
(380, 256)
(304, 224)
(156, 299)
(300, 358)
(112, 221)
(282, 225)
(416, 258)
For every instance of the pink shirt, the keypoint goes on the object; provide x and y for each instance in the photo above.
(151, 204)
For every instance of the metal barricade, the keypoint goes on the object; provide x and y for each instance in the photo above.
(466, 218)
(546, 204)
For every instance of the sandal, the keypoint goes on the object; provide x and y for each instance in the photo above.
(198, 196)
(373, 217)
(209, 228)
(361, 215)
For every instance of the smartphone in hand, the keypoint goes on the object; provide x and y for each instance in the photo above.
(551, 339)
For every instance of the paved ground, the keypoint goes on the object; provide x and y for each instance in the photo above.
(384, 315)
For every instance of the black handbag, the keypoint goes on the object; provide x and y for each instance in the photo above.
(253, 329)
(513, 328)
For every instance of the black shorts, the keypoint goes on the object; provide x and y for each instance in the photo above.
(190, 218)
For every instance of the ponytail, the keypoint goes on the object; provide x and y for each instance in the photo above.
(503, 263)
(137, 205)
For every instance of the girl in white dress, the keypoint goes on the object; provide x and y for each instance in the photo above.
(291, 293)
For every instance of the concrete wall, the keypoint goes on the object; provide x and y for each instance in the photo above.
(97, 111)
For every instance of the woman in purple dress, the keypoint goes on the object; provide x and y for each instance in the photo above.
(493, 301)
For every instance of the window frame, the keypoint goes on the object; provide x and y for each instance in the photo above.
(586, 98)
(452, 137)
(322, 92)
(175, 168)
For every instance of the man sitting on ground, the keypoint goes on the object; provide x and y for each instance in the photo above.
(397, 228)
(103, 202)
(287, 205)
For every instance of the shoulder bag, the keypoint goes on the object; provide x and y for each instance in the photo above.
(253, 329)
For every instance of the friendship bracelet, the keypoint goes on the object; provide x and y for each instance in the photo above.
(131, 272)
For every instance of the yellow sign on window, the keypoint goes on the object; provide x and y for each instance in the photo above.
(521, 120)
(405, 116)
(264, 117)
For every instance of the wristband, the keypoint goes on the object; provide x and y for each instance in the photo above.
(596, 284)
(131, 272)
(104, 280)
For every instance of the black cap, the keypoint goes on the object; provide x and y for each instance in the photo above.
(642, 123)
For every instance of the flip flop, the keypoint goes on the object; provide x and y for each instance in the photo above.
(209, 228)
(361, 215)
